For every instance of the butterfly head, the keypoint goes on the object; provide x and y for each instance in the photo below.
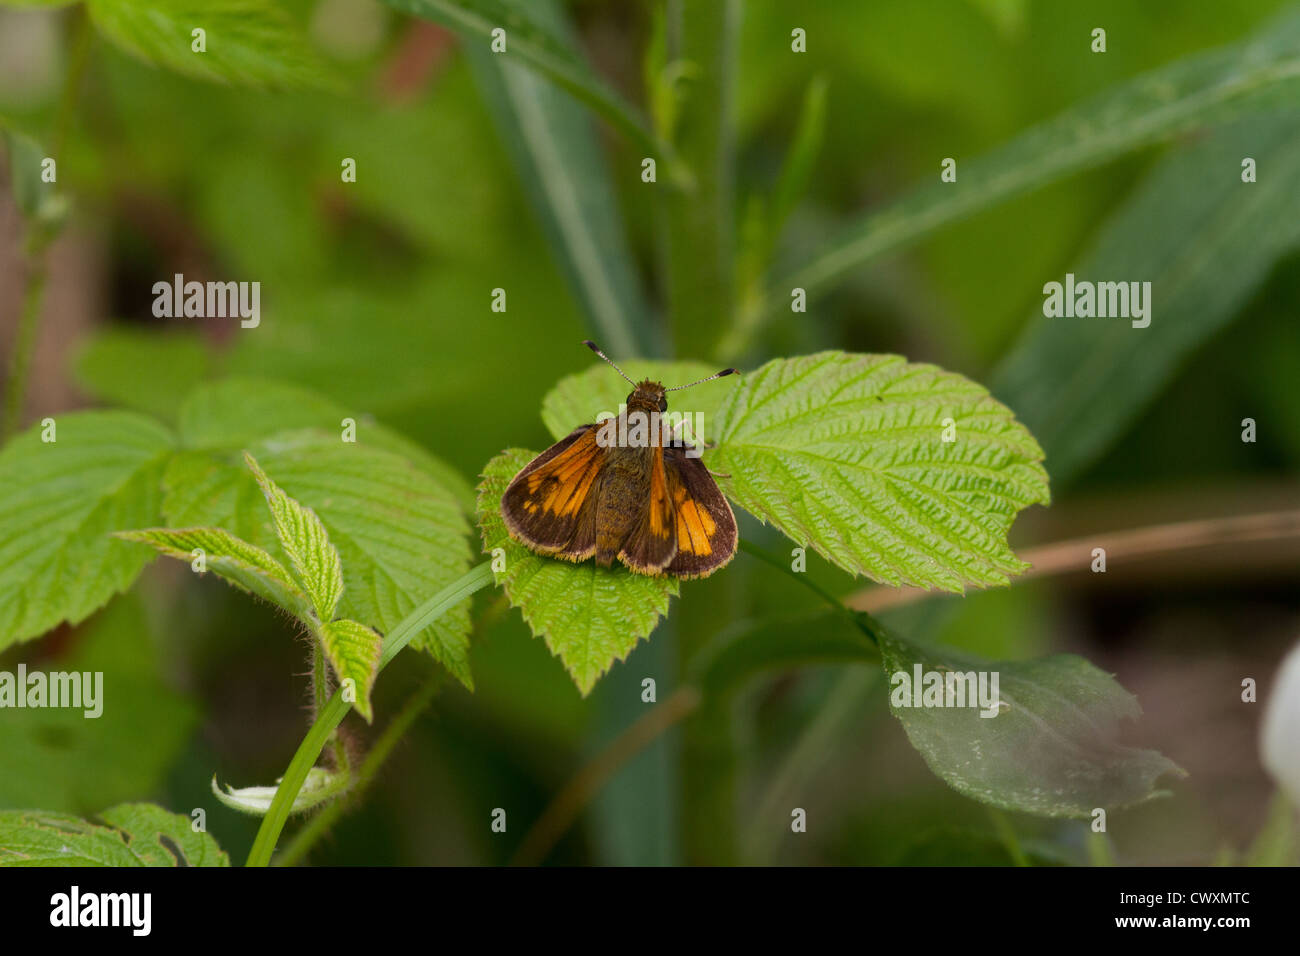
(651, 396)
(648, 397)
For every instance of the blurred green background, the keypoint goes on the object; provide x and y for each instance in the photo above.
(377, 294)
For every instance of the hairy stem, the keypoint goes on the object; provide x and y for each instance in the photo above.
(321, 823)
(335, 709)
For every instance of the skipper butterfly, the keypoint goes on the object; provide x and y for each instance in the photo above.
(648, 501)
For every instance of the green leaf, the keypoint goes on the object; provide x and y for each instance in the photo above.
(589, 616)
(146, 371)
(1209, 87)
(534, 42)
(248, 42)
(353, 651)
(1205, 241)
(845, 454)
(316, 564)
(401, 535)
(1051, 750)
(61, 501)
(236, 412)
(244, 565)
(558, 157)
(136, 834)
(578, 399)
(58, 759)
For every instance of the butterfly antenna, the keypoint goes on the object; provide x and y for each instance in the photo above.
(596, 348)
(725, 371)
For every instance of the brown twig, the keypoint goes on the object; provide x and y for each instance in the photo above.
(1075, 555)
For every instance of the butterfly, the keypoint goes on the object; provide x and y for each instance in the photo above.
(626, 489)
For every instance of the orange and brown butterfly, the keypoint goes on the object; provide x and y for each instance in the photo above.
(646, 502)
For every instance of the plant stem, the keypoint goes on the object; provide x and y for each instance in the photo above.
(24, 346)
(1008, 836)
(40, 235)
(700, 244)
(335, 709)
(321, 822)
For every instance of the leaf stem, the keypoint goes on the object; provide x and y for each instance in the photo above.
(863, 621)
(321, 822)
(335, 709)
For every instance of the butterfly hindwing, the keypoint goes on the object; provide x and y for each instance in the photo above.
(703, 523)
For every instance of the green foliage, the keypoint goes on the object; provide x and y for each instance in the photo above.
(248, 42)
(536, 43)
(58, 759)
(842, 453)
(353, 652)
(132, 834)
(315, 562)
(589, 616)
(142, 371)
(557, 156)
(244, 565)
(313, 591)
(1214, 86)
(236, 411)
(399, 533)
(1051, 750)
(846, 454)
(62, 500)
(1205, 241)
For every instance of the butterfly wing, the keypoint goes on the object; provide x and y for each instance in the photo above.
(703, 523)
(550, 506)
(652, 545)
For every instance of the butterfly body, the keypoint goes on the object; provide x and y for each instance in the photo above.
(643, 501)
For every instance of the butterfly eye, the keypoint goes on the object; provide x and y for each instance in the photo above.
(663, 403)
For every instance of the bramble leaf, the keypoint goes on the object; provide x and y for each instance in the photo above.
(353, 651)
(136, 834)
(315, 562)
(589, 616)
(237, 411)
(1052, 749)
(905, 473)
(62, 499)
(400, 533)
(244, 565)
